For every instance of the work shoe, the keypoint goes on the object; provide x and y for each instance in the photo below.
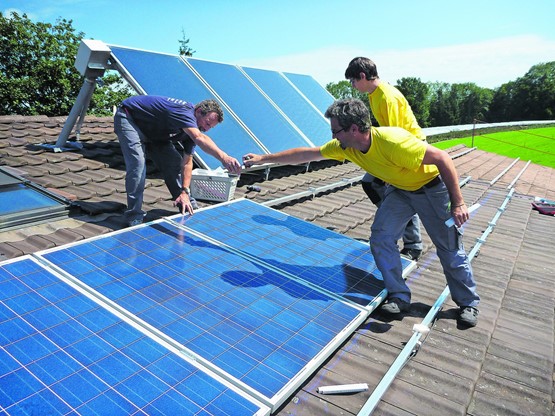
(411, 253)
(395, 306)
(468, 316)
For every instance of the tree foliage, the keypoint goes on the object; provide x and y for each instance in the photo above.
(37, 73)
(531, 97)
(417, 94)
(344, 89)
(184, 48)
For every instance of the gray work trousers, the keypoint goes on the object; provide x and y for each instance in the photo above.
(134, 147)
(375, 191)
(433, 207)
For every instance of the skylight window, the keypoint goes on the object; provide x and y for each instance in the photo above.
(23, 203)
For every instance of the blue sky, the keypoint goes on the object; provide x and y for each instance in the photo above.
(488, 42)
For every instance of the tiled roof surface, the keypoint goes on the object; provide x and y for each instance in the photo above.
(503, 366)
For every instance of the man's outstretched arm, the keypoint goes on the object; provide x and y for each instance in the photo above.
(294, 156)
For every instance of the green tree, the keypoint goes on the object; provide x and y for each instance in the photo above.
(440, 112)
(534, 93)
(475, 103)
(37, 73)
(184, 49)
(500, 108)
(344, 89)
(417, 94)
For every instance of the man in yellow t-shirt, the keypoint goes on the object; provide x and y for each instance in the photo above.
(422, 179)
(390, 108)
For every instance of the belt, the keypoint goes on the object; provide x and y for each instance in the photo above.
(436, 181)
(378, 181)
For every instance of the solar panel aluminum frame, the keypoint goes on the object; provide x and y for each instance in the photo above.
(120, 313)
(273, 402)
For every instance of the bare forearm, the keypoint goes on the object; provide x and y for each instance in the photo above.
(287, 157)
(208, 145)
(450, 178)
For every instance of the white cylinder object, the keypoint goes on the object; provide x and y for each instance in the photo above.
(343, 388)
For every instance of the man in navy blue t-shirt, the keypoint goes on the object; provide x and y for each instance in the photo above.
(164, 128)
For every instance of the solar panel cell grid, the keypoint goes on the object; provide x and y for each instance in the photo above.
(326, 259)
(214, 302)
(60, 353)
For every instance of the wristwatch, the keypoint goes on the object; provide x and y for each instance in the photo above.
(186, 190)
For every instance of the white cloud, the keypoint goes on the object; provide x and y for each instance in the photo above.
(488, 64)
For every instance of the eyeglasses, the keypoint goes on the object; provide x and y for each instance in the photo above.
(337, 131)
(352, 81)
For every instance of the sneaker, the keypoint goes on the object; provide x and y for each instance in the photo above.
(395, 305)
(468, 316)
(411, 253)
(135, 222)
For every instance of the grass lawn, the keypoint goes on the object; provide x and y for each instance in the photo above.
(536, 144)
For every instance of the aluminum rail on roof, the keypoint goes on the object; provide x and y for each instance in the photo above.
(312, 191)
(504, 171)
(519, 175)
(413, 345)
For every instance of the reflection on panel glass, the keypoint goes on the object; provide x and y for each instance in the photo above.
(252, 322)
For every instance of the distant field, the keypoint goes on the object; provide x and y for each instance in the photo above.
(537, 145)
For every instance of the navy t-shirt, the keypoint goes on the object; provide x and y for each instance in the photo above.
(163, 118)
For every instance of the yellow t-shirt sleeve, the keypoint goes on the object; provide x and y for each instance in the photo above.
(333, 150)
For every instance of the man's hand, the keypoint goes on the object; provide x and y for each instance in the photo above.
(460, 214)
(184, 204)
(251, 159)
(232, 165)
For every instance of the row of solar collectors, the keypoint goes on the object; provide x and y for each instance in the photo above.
(242, 313)
(265, 111)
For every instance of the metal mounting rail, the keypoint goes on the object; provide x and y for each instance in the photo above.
(413, 345)
(519, 175)
(504, 171)
(312, 191)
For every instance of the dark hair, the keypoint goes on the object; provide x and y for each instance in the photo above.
(361, 64)
(210, 106)
(350, 111)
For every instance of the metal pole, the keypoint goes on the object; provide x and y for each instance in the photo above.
(473, 129)
(81, 102)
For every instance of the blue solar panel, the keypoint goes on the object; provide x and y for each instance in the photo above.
(317, 94)
(240, 318)
(250, 105)
(322, 257)
(161, 74)
(62, 353)
(295, 105)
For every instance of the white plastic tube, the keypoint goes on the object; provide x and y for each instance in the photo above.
(343, 388)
